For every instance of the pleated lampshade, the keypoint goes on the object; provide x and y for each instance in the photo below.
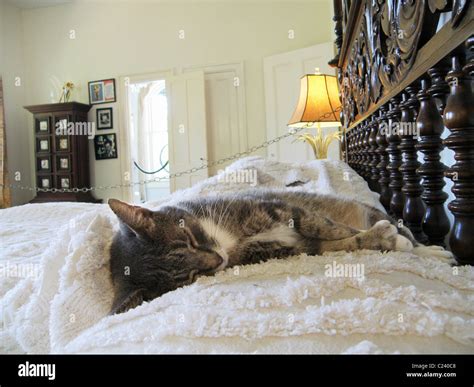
(318, 104)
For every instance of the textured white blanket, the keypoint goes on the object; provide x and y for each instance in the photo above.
(402, 304)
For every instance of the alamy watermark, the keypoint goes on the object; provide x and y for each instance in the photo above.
(399, 129)
(19, 270)
(344, 270)
(239, 176)
(65, 128)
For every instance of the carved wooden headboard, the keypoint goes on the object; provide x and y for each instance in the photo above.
(405, 71)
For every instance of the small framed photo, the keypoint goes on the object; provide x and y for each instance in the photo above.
(62, 144)
(42, 125)
(64, 182)
(63, 163)
(43, 165)
(42, 145)
(102, 91)
(104, 118)
(105, 146)
(45, 182)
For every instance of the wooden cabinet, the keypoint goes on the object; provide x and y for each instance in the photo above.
(62, 151)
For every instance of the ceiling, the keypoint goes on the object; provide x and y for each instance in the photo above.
(49, 3)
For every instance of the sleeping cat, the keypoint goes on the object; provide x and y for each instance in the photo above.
(158, 251)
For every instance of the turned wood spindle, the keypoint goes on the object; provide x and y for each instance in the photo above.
(367, 156)
(356, 148)
(374, 157)
(353, 141)
(359, 149)
(439, 89)
(384, 180)
(459, 119)
(352, 144)
(349, 147)
(430, 126)
(414, 208)
(362, 150)
(395, 157)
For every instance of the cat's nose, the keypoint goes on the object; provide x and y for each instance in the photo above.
(219, 259)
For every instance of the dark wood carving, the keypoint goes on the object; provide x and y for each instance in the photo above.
(387, 47)
(384, 49)
(430, 127)
(459, 10)
(414, 208)
(439, 5)
(374, 156)
(395, 156)
(338, 31)
(384, 180)
(459, 119)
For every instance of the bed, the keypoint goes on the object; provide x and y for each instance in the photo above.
(402, 304)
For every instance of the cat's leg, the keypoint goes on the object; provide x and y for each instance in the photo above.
(314, 225)
(323, 234)
(259, 251)
(382, 236)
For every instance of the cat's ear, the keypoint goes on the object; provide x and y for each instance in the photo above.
(138, 219)
(124, 301)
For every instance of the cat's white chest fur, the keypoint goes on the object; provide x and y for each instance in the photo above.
(226, 241)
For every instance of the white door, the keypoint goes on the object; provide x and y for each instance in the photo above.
(187, 127)
(282, 75)
(225, 111)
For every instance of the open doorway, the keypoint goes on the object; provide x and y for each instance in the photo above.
(164, 133)
(148, 124)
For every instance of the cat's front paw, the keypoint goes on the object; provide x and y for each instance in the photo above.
(384, 236)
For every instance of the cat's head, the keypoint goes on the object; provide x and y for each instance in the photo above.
(156, 252)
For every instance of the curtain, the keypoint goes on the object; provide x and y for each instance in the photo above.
(144, 123)
(5, 198)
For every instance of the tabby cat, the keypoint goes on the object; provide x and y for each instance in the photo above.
(158, 251)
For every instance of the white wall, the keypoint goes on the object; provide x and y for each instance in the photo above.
(123, 38)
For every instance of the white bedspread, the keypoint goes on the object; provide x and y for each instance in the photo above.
(404, 303)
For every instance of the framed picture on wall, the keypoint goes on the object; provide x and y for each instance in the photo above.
(105, 146)
(104, 118)
(102, 91)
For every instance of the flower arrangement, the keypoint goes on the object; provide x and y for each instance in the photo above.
(67, 91)
(319, 142)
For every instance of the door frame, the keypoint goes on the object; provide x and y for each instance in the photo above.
(124, 128)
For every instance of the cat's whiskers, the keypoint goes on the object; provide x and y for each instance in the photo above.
(224, 215)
